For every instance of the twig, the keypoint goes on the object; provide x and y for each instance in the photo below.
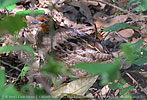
(134, 81)
(121, 37)
(10, 66)
(112, 5)
(10, 77)
(132, 15)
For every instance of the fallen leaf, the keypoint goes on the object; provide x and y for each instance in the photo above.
(95, 3)
(109, 21)
(78, 87)
(73, 3)
(78, 3)
(144, 28)
(134, 40)
(86, 12)
(102, 5)
(121, 3)
(126, 33)
(145, 42)
(99, 15)
(28, 19)
(105, 90)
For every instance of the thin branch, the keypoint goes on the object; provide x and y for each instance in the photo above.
(10, 66)
(10, 77)
(114, 6)
(132, 15)
(121, 37)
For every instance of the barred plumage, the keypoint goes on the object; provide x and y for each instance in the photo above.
(71, 45)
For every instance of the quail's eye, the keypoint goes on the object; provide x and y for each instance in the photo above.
(42, 20)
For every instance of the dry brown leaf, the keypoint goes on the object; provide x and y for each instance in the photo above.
(127, 33)
(86, 12)
(29, 19)
(78, 87)
(134, 40)
(109, 21)
(61, 20)
(120, 18)
(18, 8)
(105, 90)
(145, 42)
(74, 3)
(99, 15)
(95, 3)
(121, 3)
(90, 95)
(143, 74)
(77, 3)
(102, 5)
(144, 31)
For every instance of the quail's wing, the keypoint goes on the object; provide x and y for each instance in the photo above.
(72, 47)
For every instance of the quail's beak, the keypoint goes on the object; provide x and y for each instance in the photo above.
(34, 22)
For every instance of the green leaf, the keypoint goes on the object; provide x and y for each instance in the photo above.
(137, 45)
(129, 53)
(119, 26)
(109, 71)
(117, 12)
(5, 49)
(133, 1)
(27, 49)
(11, 24)
(10, 91)
(11, 7)
(114, 0)
(140, 61)
(37, 91)
(127, 89)
(2, 80)
(24, 70)
(133, 52)
(30, 12)
(115, 86)
(52, 66)
(128, 96)
(142, 6)
(144, 50)
(5, 3)
(114, 99)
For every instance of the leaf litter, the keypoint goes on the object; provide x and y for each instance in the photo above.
(88, 14)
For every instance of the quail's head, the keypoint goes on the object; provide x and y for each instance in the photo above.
(42, 21)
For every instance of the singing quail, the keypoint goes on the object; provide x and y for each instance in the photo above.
(69, 44)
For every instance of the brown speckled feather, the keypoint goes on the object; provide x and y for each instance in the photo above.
(68, 46)
(71, 46)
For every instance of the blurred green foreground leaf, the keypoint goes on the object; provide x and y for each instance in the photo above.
(108, 71)
(6, 3)
(11, 24)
